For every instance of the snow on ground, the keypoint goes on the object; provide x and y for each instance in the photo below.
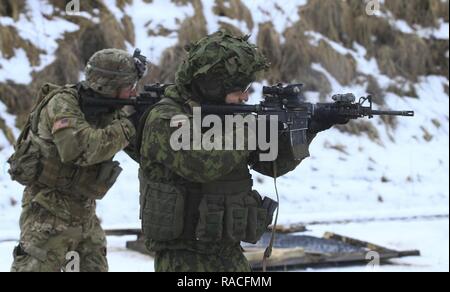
(122, 260)
(430, 237)
(6, 259)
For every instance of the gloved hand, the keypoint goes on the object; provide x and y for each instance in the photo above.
(321, 123)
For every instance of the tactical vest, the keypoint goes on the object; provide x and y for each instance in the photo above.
(36, 162)
(226, 210)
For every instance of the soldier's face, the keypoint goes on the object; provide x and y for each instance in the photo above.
(237, 97)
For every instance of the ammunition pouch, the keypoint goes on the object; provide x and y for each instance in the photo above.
(231, 211)
(162, 211)
(225, 211)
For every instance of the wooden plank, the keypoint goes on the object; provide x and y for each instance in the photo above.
(356, 242)
(279, 256)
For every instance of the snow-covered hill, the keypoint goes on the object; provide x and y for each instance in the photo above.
(369, 169)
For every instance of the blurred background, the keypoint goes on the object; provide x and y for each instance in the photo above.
(384, 180)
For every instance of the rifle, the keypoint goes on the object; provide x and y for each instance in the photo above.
(151, 95)
(93, 105)
(290, 99)
(295, 115)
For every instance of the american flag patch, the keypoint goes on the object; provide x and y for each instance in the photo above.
(61, 124)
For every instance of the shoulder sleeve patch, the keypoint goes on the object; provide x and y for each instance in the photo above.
(61, 124)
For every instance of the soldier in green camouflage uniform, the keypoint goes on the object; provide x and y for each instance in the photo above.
(197, 206)
(64, 157)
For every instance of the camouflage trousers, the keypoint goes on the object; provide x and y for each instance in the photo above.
(47, 240)
(230, 260)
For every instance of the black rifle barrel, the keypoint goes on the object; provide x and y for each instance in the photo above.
(392, 113)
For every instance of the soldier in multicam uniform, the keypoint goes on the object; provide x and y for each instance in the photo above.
(197, 206)
(64, 158)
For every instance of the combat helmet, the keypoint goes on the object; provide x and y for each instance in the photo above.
(109, 70)
(219, 64)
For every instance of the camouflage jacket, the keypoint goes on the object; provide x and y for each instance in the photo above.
(160, 163)
(66, 133)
